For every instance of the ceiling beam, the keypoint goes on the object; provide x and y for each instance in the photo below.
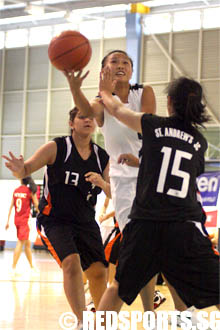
(83, 4)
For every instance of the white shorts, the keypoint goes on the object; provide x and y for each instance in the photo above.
(123, 191)
(106, 228)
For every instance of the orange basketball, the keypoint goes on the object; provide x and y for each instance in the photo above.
(70, 50)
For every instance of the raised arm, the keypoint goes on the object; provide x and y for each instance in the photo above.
(93, 108)
(45, 155)
(117, 109)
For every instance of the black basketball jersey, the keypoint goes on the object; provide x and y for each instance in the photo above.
(171, 159)
(67, 195)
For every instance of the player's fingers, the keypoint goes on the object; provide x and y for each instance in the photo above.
(12, 155)
(78, 75)
(88, 174)
(122, 158)
(6, 158)
(85, 75)
(107, 73)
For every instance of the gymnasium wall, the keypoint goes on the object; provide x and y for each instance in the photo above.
(35, 99)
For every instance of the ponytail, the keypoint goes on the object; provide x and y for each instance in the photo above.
(28, 181)
(195, 112)
(186, 95)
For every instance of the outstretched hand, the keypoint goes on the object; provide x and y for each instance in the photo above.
(15, 165)
(106, 88)
(75, 78)
(106, 81)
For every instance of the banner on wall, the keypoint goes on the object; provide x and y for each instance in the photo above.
(209, 187)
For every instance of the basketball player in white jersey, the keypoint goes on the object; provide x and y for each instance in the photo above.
(119, 139)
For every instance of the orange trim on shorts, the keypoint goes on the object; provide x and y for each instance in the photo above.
(50, 247)
(215, 251)
(108, 248)
(120, 242)
(210, 236)
(116, 224)
(48, 207)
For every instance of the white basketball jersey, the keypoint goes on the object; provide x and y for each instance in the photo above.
(120, 139)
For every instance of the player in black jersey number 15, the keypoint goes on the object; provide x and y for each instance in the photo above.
(166, 229)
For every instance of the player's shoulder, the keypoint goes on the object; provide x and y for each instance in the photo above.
(141, 87)
(62, 141)
(59, 139)
(136, 87)
(99, 149)
(200, 138)
(154, 119)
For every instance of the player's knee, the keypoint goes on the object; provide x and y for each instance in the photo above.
(114, 285)
(27, 243)
(71, 265)
(97, 271)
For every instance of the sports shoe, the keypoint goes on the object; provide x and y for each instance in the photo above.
(159, 299)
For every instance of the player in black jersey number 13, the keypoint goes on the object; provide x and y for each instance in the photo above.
(166, 228)
(76, 172)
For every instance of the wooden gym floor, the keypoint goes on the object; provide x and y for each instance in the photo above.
(36, 300)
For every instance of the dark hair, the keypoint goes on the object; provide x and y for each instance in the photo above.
(73, 113)
(28, 181)
(186, 95)
(116, 51)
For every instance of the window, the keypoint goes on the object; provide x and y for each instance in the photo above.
(160, 23)
(40, 35)
(91, 29)
(16, 38)
(187, 20)
(211, 18)
(115, 27)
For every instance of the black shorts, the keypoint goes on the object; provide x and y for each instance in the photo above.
(181, 251)
(63, 239)
(112, 245)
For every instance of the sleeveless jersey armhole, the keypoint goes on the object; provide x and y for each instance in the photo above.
(61, 151)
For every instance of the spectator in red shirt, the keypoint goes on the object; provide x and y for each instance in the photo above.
(22, 198)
